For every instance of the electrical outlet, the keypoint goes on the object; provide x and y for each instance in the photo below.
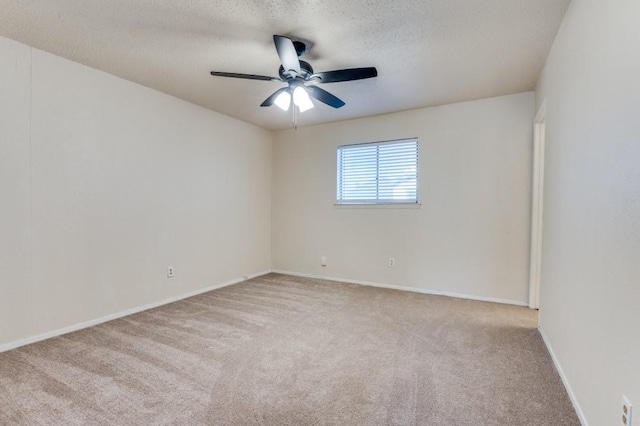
(323, 261)
(170, 271)
(392, 262)
(627, 412)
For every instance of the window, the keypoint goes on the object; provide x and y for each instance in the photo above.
(378, 172)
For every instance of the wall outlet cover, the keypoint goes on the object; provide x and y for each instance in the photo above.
(626, 419)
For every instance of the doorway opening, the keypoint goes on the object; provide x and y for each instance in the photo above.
(537, 206)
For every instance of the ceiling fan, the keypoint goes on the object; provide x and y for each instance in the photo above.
(296, 73)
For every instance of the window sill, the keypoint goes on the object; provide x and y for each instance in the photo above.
(379, 206)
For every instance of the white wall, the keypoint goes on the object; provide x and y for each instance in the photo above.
(590, 294)
(14, 190)
(104, 183)
(471, 234)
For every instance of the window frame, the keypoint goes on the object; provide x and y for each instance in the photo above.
(369, 203)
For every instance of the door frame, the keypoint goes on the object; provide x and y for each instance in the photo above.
(537, 206)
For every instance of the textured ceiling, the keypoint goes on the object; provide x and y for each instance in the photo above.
(428, 52)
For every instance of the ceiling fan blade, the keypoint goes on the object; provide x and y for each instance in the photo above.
(287, 53)
(271, 99)
(346, 74)
(324, 96)
(245, 76)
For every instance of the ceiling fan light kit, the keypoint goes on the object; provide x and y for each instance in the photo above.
(283, 101)
(296, 73)
(301, 99)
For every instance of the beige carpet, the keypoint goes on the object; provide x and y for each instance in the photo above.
(281, 350)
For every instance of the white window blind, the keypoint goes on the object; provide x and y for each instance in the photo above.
(378, 172)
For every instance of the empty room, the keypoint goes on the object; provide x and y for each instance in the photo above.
(320, 212)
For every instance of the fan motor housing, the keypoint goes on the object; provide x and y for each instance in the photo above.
(305, 71)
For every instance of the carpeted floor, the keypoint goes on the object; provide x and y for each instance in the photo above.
(281, 350)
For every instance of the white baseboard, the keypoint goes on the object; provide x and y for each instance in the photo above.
(565, 382)
(403, 288)
(32, 339)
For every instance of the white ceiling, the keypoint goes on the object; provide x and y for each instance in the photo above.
(427, 52)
